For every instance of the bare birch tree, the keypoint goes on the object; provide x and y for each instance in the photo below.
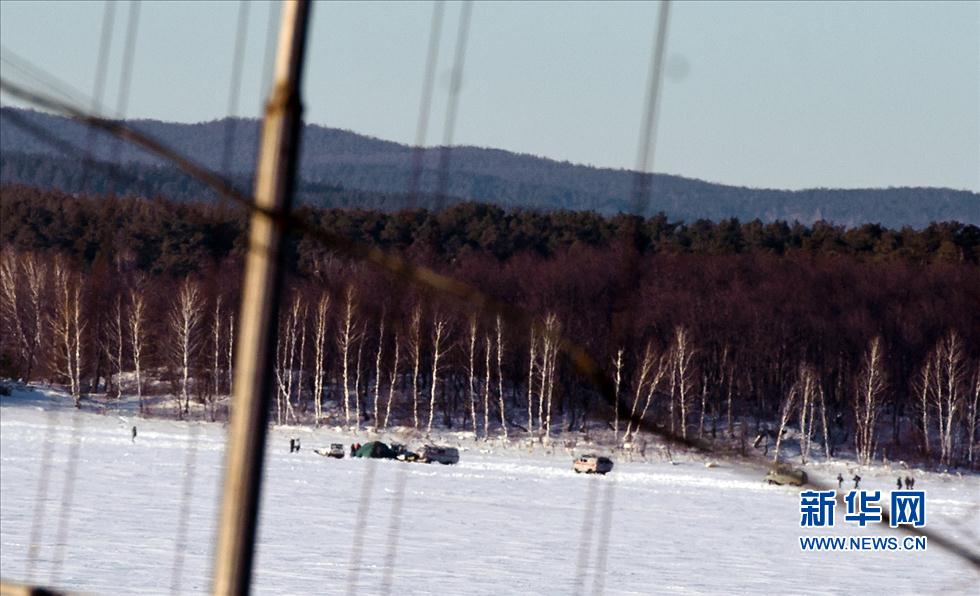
(345, 338)
(973, 417)
(500, 376)
(823, 423)
(319, 342)
(415, 345)
(394, 381)
(683, 356)
(377, 370)
(471, 373)
(532, 364)
(639, 386)
(486, 388)
(618, 380)
(871, 384)
(360, 338)
(789, 403)
(114, 345)
(216, 341)
(137, 337)
(439, 332)
(808, 390)
(949, 365)
(922, 385)
(647, 385)
(185, 318)
(10, 307)
(66, 326)
(230, 361)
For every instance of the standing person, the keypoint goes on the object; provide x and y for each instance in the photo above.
(857, 482)
(911, 483)
(134, 433)
(899, 483)
(292, 445)
(840, 481)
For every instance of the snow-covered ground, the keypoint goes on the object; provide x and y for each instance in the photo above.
(506, 520)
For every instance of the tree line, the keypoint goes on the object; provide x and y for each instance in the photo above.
(860, 339)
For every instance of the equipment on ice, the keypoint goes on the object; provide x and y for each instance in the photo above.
(592, 464)
(786, 475)
(336, 451)
(443, 455)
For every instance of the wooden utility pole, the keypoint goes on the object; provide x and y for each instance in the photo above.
(260, 307)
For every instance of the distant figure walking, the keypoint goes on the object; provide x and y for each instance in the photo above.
(840, 481)
(297, 445)
(134, 434)
(857, 482)
(911, 483)
(899, 483)
(292, 446)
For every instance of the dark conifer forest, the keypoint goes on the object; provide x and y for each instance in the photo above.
(867, 336)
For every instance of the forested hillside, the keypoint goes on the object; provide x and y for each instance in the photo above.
(772, 324)
(341, 168)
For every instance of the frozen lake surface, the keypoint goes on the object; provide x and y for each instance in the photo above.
(503, 521)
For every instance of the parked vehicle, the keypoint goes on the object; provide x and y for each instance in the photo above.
(335, 451)
(786, 475)
(592, 464)
(443, 455)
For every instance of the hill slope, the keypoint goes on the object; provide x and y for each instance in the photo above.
(334, 158)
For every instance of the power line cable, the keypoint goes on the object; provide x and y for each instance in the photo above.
(425, 103)
(423, 277)
(452, 105)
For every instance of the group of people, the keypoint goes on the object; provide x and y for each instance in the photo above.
(909, 482)
(293, 445)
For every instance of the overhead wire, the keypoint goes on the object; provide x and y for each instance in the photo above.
(425, 103)
(630, 270)
(452, 103)
(423, 277)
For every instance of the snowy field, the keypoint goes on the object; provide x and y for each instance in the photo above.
(503, 521)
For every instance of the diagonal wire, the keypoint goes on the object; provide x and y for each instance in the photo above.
(643, 177)
(631, 266)
(67, 498)
(425, 104)
(270, 49)
(101, 68)
(452, 107)
(41, 495)
(237, 60)
(585, 538)
(415, 176)
(360, 524)
(126, 73)
(394, 530)
(581, 361)
(13, 61)
(187, 493)
(602, 551)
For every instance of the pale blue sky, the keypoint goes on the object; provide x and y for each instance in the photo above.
(787, 95)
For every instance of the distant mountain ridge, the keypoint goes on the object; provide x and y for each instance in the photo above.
(342, 168)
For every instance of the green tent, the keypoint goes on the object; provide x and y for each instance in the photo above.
(376, 450)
